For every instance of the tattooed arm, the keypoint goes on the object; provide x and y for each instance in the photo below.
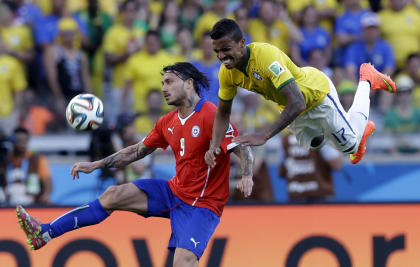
(119, 159)
(247, 162)
(295, 105)
(125, 156)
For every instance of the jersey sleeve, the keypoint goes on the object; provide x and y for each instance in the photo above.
(227, 89)
(232, 132)
(155, 138)
(227, 145)
(274, 65)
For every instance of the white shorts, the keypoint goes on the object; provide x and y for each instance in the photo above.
(329, 119)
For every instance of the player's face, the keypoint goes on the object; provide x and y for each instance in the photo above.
(21, 142)
(230, 52)
(173, 89)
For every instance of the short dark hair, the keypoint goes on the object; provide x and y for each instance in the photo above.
(20, 130)
(411, 57)
(226, 27)
(125, 3)
(185, 71)
(152, 32)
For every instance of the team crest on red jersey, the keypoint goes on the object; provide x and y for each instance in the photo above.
(195, 131)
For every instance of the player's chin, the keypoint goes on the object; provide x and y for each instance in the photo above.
(171, 102)
(229, 66)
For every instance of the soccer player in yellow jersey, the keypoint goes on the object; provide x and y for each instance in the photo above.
(306, 97)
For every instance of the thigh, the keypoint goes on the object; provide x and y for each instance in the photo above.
(192, 228)
(306, 127)
(124, 197)
(337, 124)
(160, 199)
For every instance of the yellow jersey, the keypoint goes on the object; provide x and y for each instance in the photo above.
(401, 30)
(115, 42)
(144, 71)
(277, 34)
(320, 5)
(267, 70)
(12, 79)
(17, 38)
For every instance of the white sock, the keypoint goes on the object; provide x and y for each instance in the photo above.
(46, 236)
(359, 110)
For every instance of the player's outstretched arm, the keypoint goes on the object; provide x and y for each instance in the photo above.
(295, 105)
(247, 162)
(220, 126)
(117, 160)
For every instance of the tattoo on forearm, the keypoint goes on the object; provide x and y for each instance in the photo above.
(127, 155)
(247, 160)
(295, 105)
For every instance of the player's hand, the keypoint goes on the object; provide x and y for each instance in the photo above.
(86, 167)
(250, 139)
(210, 156)
(245, 185)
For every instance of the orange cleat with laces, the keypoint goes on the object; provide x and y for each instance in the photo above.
(377, 79)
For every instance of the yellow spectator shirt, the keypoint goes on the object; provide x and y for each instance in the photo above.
(267, 70)
(205, 23)
(298, 6)
(277, 34)
(115, 42)
(144, 124)
(144, 71)
(17, 38)
(109, 6)
(12, 79)
(402, 30)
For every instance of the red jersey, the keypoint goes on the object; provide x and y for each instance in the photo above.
(194, 182)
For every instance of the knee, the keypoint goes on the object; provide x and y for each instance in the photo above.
(111, 196)
(185, 258)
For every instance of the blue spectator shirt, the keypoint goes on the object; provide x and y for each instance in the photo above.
(212, 73)
(318, 38)
(381, 55)
(348, 23)
(46, 30)
(29, 13)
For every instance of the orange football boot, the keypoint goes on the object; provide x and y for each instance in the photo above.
(377, 79)
(358, 155)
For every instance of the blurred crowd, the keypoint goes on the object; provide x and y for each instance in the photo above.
(52, 50)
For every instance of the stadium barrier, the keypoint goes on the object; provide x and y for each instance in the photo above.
(374, 235)
(370, 182)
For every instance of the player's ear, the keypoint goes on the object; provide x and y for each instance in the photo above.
(190, 82)
(242, 42)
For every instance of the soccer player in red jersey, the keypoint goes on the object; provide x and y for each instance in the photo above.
(193, 199)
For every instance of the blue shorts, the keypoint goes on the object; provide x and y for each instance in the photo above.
(191, 226)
